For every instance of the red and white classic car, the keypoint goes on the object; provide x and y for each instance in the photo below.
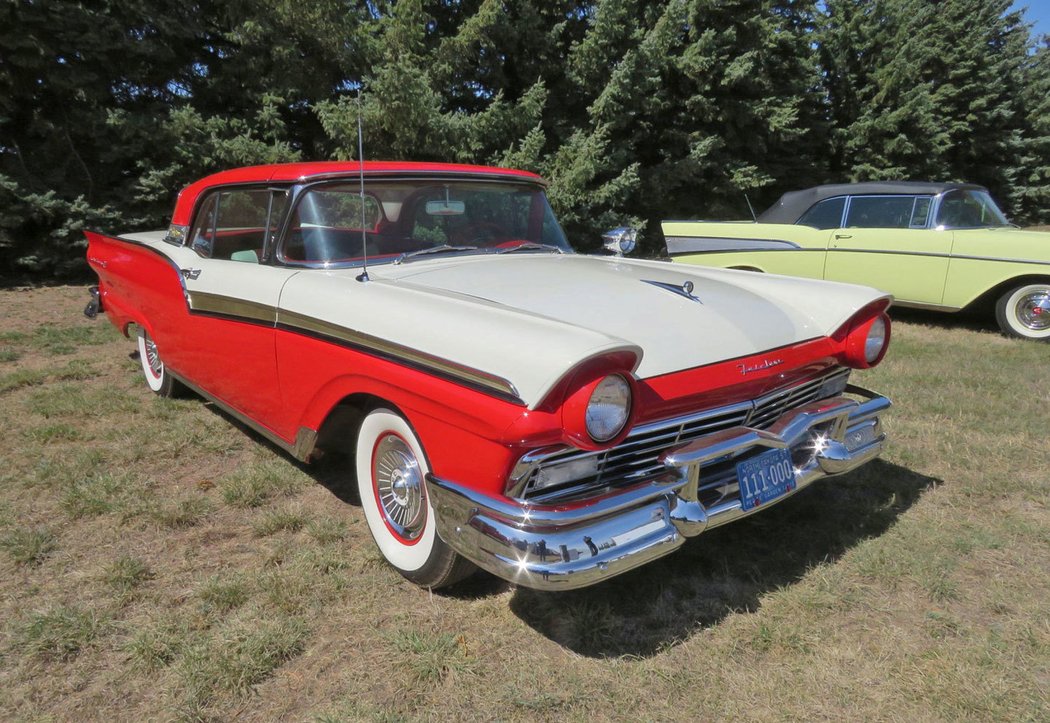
(553, 418)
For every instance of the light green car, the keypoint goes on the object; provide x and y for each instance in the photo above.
(940, 246)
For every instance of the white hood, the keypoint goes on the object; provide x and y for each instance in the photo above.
(529, 318)
(732, 314)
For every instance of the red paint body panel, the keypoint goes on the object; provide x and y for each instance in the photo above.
(139, 285)
(461, 429)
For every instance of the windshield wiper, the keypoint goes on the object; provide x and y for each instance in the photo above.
(530, 246)
(442, 249)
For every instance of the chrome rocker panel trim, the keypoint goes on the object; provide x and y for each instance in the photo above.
(578, 543)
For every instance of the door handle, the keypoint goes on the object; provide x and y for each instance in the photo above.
(190, 274)
(843, 235)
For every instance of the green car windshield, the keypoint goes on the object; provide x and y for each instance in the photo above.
(968, 209)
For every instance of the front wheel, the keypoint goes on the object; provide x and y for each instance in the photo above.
(1024, 311)
(391, 473)
(157, 377)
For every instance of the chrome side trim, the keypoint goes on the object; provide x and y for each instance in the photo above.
(939, 256)
(305, 438)
(708, 244)
(570, 545)
(927, 307)
(1002, 260)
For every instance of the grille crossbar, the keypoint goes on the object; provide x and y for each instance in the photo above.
(637, 456)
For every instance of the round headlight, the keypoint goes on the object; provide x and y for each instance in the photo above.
(875, 340)
(608, 408)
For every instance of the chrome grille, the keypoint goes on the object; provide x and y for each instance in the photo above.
(637, 456)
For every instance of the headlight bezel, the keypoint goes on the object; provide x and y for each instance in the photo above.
(575, 412)
(612, 392)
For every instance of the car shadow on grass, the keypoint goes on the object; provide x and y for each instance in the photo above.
(725, 570)
(980, 320)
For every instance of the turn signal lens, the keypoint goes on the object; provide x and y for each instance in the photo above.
(608, 408)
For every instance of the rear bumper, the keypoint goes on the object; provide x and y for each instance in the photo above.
(575, 544)
(95, 304)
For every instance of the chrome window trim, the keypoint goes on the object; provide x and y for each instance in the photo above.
(300, 189)
(203, 198)
(913, 196)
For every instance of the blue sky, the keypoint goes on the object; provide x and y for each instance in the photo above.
(1038, 12)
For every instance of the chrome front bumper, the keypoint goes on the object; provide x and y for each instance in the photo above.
(579, 543)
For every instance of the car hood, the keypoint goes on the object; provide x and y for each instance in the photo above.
(518, 323)
(728, 314)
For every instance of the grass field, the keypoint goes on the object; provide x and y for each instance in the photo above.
(159, 562)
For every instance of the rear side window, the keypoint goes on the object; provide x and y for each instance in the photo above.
(825, 214)
(880, 211)
(230, 223)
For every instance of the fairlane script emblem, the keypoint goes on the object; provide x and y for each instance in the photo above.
(746, 369)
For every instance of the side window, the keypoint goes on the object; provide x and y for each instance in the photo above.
(824, 214)
(202, 234)
(880, 211)
(233, 224)
(920, 212)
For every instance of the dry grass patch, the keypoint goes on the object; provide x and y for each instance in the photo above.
(59, 633)
(233, 660)
(28, 546)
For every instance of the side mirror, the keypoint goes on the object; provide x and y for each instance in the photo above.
(620, 241)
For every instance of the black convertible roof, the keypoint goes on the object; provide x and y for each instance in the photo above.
(793, 204)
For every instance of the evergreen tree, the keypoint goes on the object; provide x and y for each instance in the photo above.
(926, 91)
(1031, 176)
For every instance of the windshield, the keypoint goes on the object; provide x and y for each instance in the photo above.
(968, 209)
(405, 217)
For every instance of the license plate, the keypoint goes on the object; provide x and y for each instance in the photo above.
(765, 477)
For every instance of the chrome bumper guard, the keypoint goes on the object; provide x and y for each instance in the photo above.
(578, 543)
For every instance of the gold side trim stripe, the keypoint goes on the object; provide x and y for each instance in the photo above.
(446, 367)
(206, 303)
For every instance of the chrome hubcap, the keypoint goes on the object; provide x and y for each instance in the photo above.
(153, 358)
(399, 484)
(1033, 310)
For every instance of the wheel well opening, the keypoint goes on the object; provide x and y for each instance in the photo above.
(985, 303)
(338, 432)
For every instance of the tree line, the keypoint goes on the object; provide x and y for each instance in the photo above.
(634, 110)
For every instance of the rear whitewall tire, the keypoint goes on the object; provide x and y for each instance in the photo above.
(391, 469)
(1024, 311)
(157, 377)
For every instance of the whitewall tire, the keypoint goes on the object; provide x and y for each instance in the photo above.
(1024, 311)
(391, 472)
(158, 378)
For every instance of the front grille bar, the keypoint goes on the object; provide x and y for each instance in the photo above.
(638, 455)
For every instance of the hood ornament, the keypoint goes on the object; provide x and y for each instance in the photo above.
(685, 290)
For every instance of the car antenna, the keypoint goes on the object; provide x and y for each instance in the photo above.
(751, 209)
(363, 276)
